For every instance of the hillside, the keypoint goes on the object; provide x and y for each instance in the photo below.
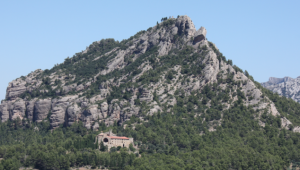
(173, 91)
(286, 86)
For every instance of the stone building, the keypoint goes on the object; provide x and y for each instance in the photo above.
(111, 140)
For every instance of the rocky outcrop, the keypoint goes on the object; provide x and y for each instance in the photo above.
(124, 81)
(200, 35)
(73, 114)
(4, 111)
(18, 109)
(212, 67)
(41, 109)
(146, 96)
(30, 109)
(90, 115)
(115, 63)
(15, 89)
(58, 110)
(12, 110)
(285, 123)
(104, 109)
(185, 27)
(96, 126)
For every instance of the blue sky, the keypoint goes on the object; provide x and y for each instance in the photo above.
(259, 36)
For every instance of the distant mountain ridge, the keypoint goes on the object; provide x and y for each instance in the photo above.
(287, 86)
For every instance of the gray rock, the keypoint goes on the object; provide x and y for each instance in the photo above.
(114, 111)
(285, 123)
(90, 115)
(88, 124)
(4, 111)
(104, 109)
(73, 114)
(67, 89)
(41, 109)
(30, 109)
(200, 35)
(175, 30)
(296, 129)
(212, 67)
(165, 47)
(154, 39)
(96, 126)
(58, 111)
(18, 110)
(15, 89)
(80, 87)
(116, 62)
(286, 86)
(185, 27)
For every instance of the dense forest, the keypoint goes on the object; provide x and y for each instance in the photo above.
(166, 141)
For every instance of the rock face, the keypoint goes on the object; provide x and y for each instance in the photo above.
(112, 82)
(41, 109)
(58, 111)
(4, 111)
(286, 86)
(200, 35)
(73, 114)
(15, 89)
(185, 27)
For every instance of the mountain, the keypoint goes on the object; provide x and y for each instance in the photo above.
(286, 86)
(173, 91)
(110, 80)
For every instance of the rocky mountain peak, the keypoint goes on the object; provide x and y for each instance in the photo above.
(185, 26)
(168, 66)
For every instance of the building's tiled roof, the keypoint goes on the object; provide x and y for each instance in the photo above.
(118, 137)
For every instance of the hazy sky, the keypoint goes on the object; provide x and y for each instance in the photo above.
(261, 37)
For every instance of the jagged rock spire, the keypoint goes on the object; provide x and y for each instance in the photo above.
(185, 26)
(200, 35)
